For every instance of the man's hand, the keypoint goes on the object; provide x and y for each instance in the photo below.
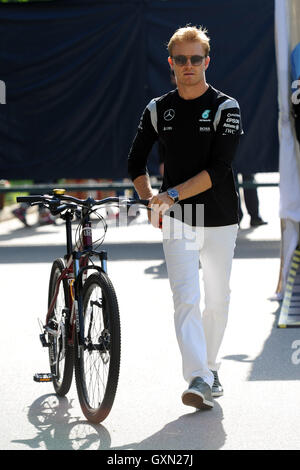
(159, 204)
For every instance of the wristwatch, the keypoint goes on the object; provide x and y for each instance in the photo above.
(173, 194)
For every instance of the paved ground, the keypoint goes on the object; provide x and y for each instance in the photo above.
(261, 405)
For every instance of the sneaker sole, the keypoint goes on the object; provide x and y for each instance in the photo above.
(217, 394)
(197, 400)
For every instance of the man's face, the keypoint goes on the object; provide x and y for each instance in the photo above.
(188, 74)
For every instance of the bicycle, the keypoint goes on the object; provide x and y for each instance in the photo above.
(82, 327)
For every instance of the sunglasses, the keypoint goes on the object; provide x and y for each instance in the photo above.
(182, 59)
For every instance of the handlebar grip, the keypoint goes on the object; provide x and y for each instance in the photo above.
(133, 201)
(29, 199)
(144, 202)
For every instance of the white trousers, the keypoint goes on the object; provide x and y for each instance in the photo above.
(199, 336)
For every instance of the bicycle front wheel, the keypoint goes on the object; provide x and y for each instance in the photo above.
(97, 362)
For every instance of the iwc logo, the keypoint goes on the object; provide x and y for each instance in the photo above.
(169, 114)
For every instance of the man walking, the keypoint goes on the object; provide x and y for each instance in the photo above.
(199, 128)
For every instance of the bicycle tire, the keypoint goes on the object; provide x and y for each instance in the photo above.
(62, 370)
(102, 344)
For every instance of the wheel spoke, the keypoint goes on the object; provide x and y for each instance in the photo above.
(96, 372)
(97, 368)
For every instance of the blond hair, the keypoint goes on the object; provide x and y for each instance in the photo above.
(192, 34)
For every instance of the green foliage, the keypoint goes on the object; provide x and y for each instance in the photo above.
(10, 198)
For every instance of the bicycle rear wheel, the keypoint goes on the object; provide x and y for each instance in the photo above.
(97, 366)
(60, 353)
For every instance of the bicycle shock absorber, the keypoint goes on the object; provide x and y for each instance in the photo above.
(103, 260)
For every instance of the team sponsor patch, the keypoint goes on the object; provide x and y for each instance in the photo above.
(169, 114)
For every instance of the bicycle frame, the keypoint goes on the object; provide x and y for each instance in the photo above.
(77, 260)
(77, 265)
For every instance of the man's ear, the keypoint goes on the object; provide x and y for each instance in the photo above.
(170, 62)
(207, 61)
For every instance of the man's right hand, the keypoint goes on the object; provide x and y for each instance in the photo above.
(144, 190)
(159, 204)
(155, 218)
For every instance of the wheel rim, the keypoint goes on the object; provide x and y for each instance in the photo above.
(57, 344)
(97, 348)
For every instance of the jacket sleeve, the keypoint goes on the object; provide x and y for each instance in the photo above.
(228, 129)
(143, 142)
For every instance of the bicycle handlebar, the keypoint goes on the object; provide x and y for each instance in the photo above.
(29, 199)
(56, 201)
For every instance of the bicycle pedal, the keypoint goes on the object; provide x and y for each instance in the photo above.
(43, 377)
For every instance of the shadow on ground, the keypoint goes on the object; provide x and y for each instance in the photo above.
(275, 360)
(130, 251)
(200, 430)
(57, 429)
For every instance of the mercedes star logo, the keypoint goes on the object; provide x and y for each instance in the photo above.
(169, 114)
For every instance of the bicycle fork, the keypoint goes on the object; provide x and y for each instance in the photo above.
(78, 302)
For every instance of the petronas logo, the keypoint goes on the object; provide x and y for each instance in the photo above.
(205, 114)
